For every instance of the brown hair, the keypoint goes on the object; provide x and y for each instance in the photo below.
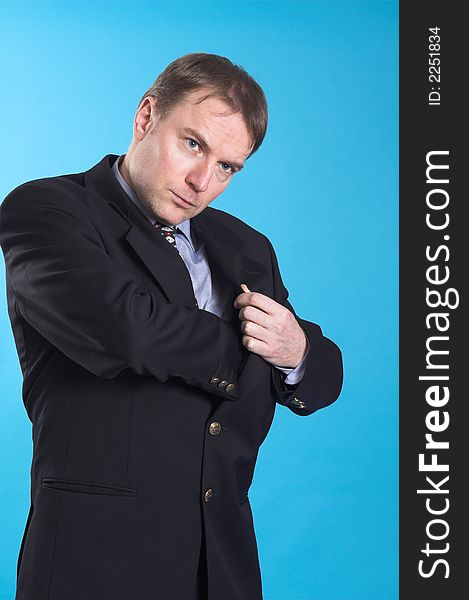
(225, 80)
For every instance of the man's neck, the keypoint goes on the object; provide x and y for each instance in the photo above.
(124, 171)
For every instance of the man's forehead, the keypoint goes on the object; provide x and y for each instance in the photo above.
(211, 104)
(208, 104)
(202, 95)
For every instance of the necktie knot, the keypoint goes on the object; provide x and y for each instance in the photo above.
(168, 232)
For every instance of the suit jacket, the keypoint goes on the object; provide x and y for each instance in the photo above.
(147, 413)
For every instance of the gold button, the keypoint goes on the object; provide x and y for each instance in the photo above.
(230, 387)
(298, 403)
(214, 380)
(214, 428)
(208, 495)
(223, 384)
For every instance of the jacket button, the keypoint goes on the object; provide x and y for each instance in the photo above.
(230, 387)
(208, 495)
(298, 403)
(214, 428)
(214, 380)
(223, 384)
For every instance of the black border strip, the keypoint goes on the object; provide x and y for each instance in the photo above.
(432, 272)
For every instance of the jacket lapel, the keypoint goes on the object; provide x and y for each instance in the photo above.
(157, 256)
(164, 263)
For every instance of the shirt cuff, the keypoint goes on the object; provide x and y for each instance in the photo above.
(294, 376)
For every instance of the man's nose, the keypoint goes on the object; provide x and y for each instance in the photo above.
(199, 177)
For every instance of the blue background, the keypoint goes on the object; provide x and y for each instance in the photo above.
(325, 491)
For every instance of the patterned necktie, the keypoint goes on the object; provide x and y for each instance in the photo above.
(168, 232)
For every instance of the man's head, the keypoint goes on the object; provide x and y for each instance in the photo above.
(194, 128)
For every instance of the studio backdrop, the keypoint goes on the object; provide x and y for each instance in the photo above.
(323, 188)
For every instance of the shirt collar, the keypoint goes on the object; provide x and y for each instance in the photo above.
(184, 227)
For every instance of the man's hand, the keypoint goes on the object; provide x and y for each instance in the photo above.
(270, 330)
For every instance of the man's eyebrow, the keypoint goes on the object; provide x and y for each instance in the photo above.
(200, 138)
(203, 142)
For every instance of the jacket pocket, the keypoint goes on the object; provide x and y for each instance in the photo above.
(87, 487)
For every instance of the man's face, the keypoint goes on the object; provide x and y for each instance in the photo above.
(178, 165)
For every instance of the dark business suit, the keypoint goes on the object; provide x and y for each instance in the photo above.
(147, 412)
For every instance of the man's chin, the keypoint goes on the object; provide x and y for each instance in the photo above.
(177, 216)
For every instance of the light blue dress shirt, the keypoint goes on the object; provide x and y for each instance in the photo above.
(195, 258)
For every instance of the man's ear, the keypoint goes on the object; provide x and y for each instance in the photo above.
(145, 118)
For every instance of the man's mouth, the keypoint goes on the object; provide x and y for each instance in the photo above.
(182, 201)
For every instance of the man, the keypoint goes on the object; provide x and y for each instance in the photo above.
(155, 338)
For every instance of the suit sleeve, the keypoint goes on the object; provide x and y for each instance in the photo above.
(323, 375)
(97, 313)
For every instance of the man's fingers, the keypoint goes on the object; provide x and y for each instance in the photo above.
(255, 345)
(256, 299)
(250, 313)
(256, 331)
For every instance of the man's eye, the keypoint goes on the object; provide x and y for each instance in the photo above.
(226, 167)
(193, 145)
